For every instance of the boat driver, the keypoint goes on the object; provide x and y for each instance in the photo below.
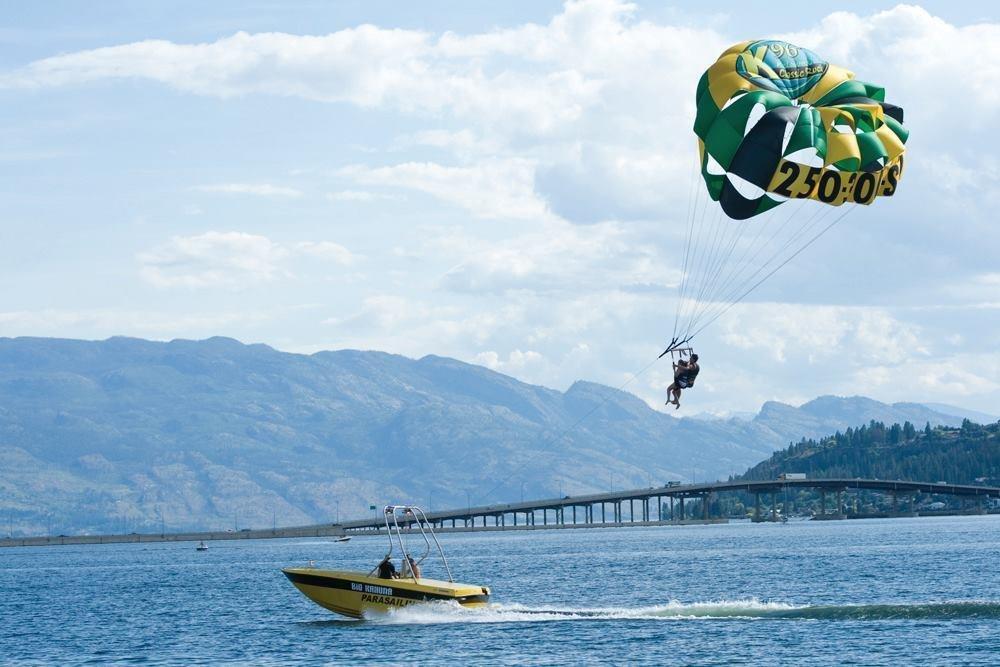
(386, 570)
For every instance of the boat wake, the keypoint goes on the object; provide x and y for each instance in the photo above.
(446, 612)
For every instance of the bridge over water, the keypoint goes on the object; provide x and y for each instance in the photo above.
(632, 507)
(649, 506)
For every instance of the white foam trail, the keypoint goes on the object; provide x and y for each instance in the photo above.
(450, 612)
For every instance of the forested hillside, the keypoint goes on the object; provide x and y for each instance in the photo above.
(966, 455)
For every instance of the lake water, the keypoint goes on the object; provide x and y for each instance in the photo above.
(872, 592)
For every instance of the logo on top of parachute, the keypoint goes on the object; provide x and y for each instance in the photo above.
(781, 67)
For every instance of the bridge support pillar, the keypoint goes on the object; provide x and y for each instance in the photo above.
(682, 508)
(979, 505)
(603, 517)
(756, 507)
(822, 502)
(840, 502)
(671, 508)
(574, 514)
(631, 509)
(704, 506)
(895, 503)
(659, 508)
(774, 506)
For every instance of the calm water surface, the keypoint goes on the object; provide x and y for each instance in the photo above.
(873, 592)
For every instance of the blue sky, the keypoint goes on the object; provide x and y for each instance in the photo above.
(505, 183)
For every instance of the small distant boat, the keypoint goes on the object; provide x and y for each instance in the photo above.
(343, 538)
(356, 593)
(201, 546)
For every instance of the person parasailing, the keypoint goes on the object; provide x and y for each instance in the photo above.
(685, 372)
(777, 126)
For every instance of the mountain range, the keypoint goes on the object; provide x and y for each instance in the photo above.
(129, 433)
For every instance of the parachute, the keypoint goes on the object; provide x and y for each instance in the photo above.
(776, 123)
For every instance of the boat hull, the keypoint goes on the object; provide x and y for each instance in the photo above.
(355, 594)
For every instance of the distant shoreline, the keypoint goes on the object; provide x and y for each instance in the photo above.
(338, 531)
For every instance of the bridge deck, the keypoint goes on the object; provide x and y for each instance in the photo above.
(473, 513)
(528, 510)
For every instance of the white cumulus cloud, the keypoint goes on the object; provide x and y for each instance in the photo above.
(327, 250)
(502, 189)
(229, 259)
(212, 259)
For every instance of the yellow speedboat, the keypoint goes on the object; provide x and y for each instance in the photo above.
(353, 593)
(356, 593)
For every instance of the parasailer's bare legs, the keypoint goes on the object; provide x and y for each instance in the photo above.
(674, 396)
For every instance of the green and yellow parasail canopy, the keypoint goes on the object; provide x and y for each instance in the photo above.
(776, 122)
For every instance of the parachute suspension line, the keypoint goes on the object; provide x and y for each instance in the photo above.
(736, 269)
(824, 230)
(694, 196)
(697, 248)
(693, 204)
(740, 291)
(694, 243)
(746, 259)
(559, 435)
(720, 228)
(698, 270)
(812, 222)
(733, 233)
(765, 225)
(737, 278)
(708, 257)
(699, 304)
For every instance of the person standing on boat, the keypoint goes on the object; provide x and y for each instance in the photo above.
(410, 568)
(386, 570)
